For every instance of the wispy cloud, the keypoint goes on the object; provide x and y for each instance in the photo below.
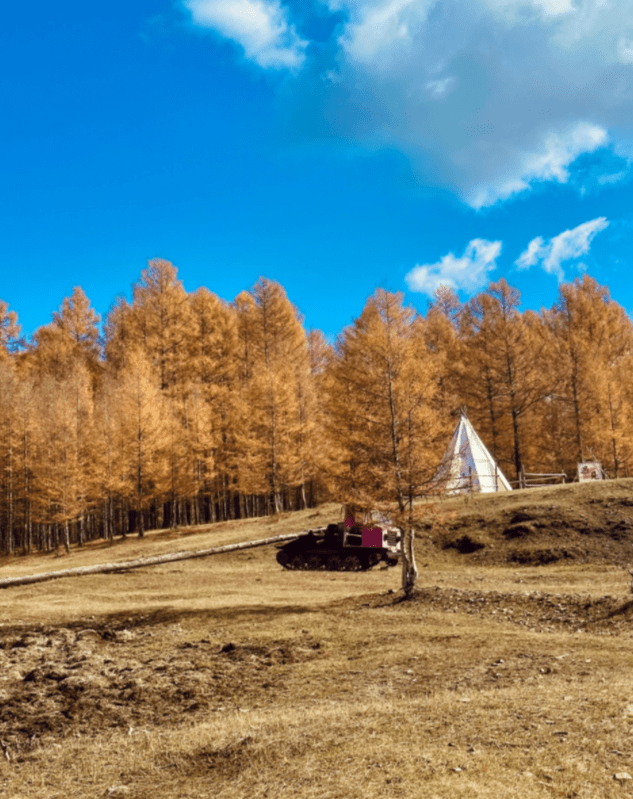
(567, 246)
(558, 151)
(469, 273)
(378, 31)
(261, 27)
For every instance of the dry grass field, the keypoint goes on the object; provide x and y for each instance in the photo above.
(510, 674)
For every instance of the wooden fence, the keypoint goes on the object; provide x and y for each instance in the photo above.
(536, 479)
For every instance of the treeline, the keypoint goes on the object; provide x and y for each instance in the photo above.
(189, 409)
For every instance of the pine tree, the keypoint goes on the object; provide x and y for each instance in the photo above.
(119, 333)
(111, 457)
(58, 470)
(26, 396)
(200, 442)
(442, 339)
(312, 448)
(78, 321)
(9, 446)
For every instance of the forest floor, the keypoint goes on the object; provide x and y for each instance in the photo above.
(228, 677)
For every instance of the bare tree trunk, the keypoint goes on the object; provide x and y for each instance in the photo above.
(518, 462)
(29, 526)
(493, 415)
(395, 445)
(142, 562)
(124, 518)
(616, 462)
(409, 567)
(10, 497)
(139, 480)
(576, 403)
(108, 520)
(174, 521)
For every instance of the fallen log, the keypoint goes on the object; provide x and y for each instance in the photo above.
(139, 563)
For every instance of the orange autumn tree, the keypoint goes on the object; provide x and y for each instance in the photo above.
(320, 354)
(442, 337)
(273, 356)
(213, 367)
(10, 449)
(145, 435)
(502, 372)
(383, 420)
(160, 318)
(593, 338)
(10, 329)
(110, 461)
(61, 476)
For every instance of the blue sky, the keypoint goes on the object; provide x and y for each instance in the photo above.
(336, 146)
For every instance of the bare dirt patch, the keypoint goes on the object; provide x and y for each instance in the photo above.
(56, 682)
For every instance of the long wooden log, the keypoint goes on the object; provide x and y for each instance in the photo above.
(139, 563)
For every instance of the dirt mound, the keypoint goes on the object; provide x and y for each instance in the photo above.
(532, 610)
(585, 523)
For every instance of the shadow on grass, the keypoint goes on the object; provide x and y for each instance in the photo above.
(166, 615)
(621, 610)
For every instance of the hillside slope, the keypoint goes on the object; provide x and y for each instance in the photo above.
(576, 522)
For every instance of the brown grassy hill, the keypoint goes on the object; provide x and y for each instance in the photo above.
(576, 522)
(229, 676)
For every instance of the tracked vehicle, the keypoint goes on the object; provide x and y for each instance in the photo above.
(339, 547)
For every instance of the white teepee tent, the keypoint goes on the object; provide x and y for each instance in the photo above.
(467, 464)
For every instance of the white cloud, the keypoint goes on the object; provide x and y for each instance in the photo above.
(567, 246)
(485, 97)
(260, 26)
(468, 273)
(558, 152)
(380, 29)
(625, 51)
(514, 11)
(551, 7)
(438, 88)
(535, 252)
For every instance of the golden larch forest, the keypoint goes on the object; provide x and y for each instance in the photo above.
(188, 409)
